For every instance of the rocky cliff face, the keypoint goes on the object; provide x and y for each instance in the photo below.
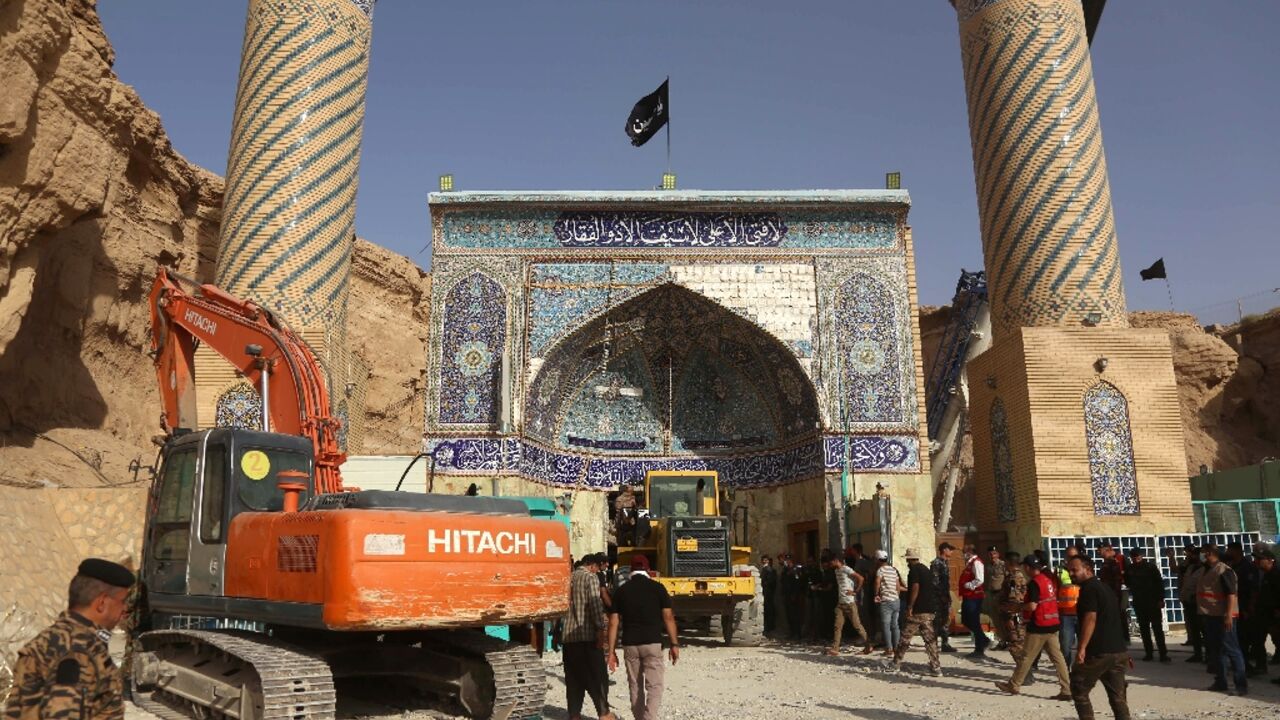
(92, 198)
(387, 327)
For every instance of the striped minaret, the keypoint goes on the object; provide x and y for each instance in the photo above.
(1048, 234)
(289, 211)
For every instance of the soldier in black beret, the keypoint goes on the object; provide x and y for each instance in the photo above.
(66, 673)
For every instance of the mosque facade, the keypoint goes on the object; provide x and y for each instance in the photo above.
(580, 339)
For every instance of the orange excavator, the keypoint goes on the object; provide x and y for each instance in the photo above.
(265, 580)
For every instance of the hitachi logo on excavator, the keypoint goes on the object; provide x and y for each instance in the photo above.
(477, 542)
(201, 322)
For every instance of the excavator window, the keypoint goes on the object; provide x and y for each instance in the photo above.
(256, 471)
(173, 510)
(213, 494)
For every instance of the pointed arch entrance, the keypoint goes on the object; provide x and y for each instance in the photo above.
(669, 373)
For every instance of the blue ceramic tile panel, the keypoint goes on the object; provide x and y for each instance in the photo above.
(474, 338)
(1112, 475)
(871, 366)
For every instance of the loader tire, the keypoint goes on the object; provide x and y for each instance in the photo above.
(744, 627)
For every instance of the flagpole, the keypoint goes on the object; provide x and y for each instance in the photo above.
(668, 124)
(1169, 288)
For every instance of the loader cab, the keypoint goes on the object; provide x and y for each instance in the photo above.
(205, 479)
(689, 536)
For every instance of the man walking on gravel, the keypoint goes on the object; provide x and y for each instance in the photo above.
(941, 569)
(643, 608)
(584, 637)
(1101, 654)
(921, 605)
(847, 584)
(972, 598)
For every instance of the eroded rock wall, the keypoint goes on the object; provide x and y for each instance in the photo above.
(92, 197)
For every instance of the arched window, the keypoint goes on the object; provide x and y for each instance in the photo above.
(1111, 471)
(239, 406)
(475, 336)
(868, 346)
(1002, 461)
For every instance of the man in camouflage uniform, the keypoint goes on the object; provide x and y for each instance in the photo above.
(1011, 600)
(66, 673)
(994, 588)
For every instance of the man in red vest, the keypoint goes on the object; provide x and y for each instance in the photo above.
(971, 598)
(1040, 615)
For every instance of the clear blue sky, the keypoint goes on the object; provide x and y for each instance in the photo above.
(772, 95)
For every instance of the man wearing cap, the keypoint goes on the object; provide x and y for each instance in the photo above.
(65, 672)
(1146, 590)
(1039, 628)
(643, 608)
(921, 606)
(1217, 598)
(993, 588)
(585, 629)
(941, 569)
(1188, 580)
(1268, 606)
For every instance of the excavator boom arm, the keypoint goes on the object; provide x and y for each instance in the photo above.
(297, 398)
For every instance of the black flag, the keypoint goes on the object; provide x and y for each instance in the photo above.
(648, 116)
(1154, 272)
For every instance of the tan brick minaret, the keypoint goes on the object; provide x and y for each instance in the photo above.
(1048, 233)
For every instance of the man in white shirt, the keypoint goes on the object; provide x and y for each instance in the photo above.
(971, 599)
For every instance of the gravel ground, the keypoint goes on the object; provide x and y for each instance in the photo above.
(783, 681)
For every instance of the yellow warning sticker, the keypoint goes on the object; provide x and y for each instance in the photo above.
(687, 544)
(255, 464)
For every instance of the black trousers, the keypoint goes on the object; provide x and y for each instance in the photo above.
(770, 621)
(1253, 641)
(1195, 633)
(795, 616)
(585, 672)
(1151, 622)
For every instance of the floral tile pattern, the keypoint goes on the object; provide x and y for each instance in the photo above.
(1002, 455)
(870, 372)
(475, 334)
(1111, 470)
(240, 406)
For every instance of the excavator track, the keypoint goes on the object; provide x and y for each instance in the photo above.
(520, 682)
(191, 669)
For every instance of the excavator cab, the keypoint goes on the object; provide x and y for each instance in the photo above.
(205, 479)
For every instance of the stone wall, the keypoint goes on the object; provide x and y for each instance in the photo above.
(44, 535)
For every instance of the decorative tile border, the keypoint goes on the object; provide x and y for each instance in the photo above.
(535, 462)
(533, 228)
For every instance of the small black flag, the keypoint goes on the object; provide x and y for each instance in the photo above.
(648, 116)
(1154, 272)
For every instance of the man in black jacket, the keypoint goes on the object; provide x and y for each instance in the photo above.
(769, 586)
(1146, 590)
(794, 593)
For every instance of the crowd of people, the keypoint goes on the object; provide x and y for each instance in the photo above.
(1077, 619)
